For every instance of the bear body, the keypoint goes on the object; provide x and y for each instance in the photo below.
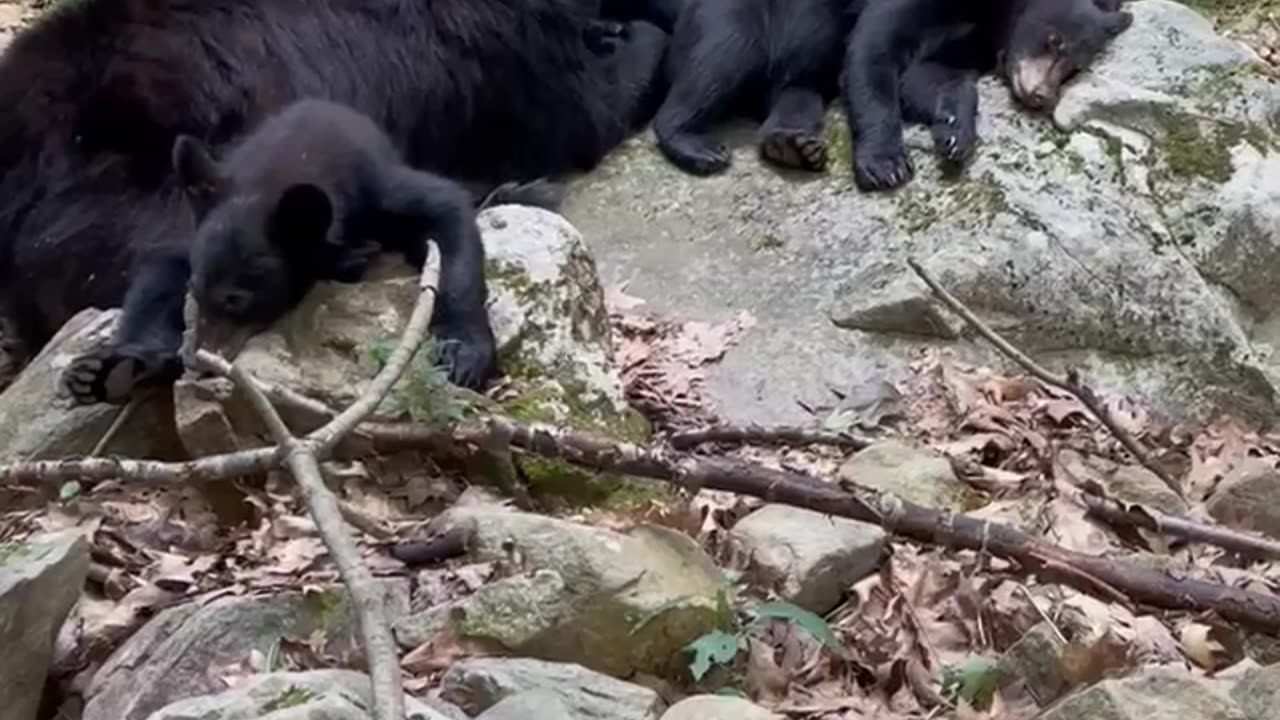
(96, 92)
(315, 193)
(919, 60)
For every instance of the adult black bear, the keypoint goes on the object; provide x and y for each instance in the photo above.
(923, 56)
(97, 91)
(315, 193)
(920, 57)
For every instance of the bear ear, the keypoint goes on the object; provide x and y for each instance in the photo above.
(1119, 22)
(1107, 5)
(301, 218)
(198, 172)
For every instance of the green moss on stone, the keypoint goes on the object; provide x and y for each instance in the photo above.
(292, 697)
(11, 550)
(328, 607)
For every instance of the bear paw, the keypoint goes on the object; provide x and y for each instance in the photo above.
(696, 154)
(881, 167)
(107, 375)
(953, 139)
(795, 149)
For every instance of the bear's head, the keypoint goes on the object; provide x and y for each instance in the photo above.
(257, 245)
(1050, 41)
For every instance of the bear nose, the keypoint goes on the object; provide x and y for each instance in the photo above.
(1039, 98)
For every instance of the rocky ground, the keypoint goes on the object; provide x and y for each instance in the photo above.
(1131, 234)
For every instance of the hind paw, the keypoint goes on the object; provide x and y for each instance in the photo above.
(795, 149)
(696, 154)
(108, 375)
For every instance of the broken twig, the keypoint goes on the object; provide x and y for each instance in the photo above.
(757, 435)
(1071, 383)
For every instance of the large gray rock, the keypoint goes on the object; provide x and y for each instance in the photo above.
(909, 470)
(170, 658)
(1248, 498)
(480, 683)
(40, 581)
(1258, 692)
(810, 558)
(531, 705)
(1134, 235)
(311, 695)
(614, 602)
(548, 315)
(38, 420)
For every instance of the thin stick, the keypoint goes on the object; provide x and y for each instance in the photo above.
(1116, 513)
(1071, 383)
(122, 417)
(757, 435)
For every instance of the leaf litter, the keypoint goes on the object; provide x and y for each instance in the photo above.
(916, 639)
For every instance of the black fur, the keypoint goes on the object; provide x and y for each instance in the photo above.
(763, 58)
(923, 57)
(314, 194)
(97, 91)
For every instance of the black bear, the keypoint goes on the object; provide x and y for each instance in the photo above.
(921, 58)
(313, 194)
(96, 93)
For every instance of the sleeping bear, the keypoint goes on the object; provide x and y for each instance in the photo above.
(97, 92)
(784, 63)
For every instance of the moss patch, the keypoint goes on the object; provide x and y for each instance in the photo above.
(292, 697)
(12, 551)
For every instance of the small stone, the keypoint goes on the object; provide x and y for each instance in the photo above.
(1248, 498)
(531, 705)
(478, 684)
(1036, 660)
(1129, 483)
(1154, 694)
(717, 707)
(811, 558)
(586, 588)
(912, 472)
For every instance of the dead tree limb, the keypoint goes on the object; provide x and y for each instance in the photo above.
(757, 435)
(1117, 514)
(1070, 383)
(1140, 585)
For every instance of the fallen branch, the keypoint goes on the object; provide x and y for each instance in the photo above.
(302, 457)
(756, 435)
(1071, 383)
(1117, 514)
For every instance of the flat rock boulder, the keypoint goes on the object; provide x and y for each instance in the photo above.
(583, 594)
(549, 319)
(38, 421)
(478, 684)
(177, 655)
(531, 705)
(1134, 234)
(808, 557)
(311, 695)
(40, 581)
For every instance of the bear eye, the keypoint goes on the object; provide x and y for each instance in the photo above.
(1056, 43)
(234, 301)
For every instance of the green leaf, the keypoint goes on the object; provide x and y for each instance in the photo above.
(714, 648)
(973, 679)
(68, 491)
(725, 619)
(272, 659)
(806, 620)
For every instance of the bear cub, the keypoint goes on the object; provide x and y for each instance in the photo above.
(315, 193)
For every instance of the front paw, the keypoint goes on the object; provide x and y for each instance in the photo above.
(954, 139)
(110, 375)
(469, 355)
(881, 166)
(695, 154)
